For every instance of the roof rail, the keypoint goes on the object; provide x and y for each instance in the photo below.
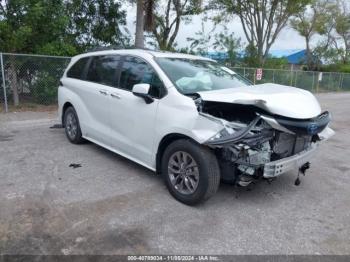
(112, 47)
(103, 48)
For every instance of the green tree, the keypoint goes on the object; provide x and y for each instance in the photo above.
(185, 50)
(32, 26)
(342, 30)
(227, 42)
(313, 20)
(334, 48)
(262, 20)
(200, 43)
(168, 17)
(276, 63)
(95, 23)
(250, 57)
(54, 27)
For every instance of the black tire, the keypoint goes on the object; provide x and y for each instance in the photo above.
(208, 170)
(73, 137)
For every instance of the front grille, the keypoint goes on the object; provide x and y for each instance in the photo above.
(286, 145)
(302, 143)
(306, 127)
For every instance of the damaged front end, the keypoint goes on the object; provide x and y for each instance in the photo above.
(254, 143)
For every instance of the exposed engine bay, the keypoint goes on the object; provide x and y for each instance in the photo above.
(252, 138)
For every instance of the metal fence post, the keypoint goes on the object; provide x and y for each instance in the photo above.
(341, 82)
(3, 81)
(340, 75)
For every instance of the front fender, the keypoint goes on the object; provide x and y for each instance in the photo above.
(177, 114)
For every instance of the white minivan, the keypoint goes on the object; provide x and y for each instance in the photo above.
(192, 120)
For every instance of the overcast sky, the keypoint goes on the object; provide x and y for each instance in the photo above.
(287, 39)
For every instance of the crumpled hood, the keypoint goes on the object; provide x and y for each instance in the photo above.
(277, 99)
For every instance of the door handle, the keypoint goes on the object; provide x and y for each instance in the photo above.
(115, 95)
(103, 92)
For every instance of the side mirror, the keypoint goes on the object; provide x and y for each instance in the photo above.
(141, 90)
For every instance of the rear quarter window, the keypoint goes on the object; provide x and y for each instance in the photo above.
(77, 70)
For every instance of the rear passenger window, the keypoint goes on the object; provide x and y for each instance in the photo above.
(76, 71)
(103, 70)
(136, 71)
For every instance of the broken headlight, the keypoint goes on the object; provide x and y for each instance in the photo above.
(225, 132)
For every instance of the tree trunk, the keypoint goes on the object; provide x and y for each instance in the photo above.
(308, 55)
(139, 41)
(260, 52)
(14, 81)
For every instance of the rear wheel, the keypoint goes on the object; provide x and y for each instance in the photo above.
(72, 127)
(191, 172)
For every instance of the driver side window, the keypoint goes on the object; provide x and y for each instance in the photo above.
(136, 71)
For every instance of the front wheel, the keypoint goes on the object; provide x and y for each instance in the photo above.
(72, 126)
(191, 171)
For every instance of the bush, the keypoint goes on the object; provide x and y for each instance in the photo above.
(342, 68)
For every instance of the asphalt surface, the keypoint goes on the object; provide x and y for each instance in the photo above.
(111, 205)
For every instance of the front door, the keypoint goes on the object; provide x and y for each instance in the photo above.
(132, 120)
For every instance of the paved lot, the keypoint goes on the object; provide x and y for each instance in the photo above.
(112, 206)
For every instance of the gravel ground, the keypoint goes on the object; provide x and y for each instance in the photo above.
(111, 205)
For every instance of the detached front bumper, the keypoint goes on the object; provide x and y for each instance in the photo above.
(293, 163)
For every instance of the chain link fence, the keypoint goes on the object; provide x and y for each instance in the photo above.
(30, 80)
(313, 81)
(3, 101)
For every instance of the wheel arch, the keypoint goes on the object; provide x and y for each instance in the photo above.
(164, 143)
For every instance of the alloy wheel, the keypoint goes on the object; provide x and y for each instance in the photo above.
(183, 172)
(71, 125)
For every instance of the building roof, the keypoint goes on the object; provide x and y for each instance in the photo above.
(294, 56)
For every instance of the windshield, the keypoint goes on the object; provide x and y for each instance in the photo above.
(190, 76)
